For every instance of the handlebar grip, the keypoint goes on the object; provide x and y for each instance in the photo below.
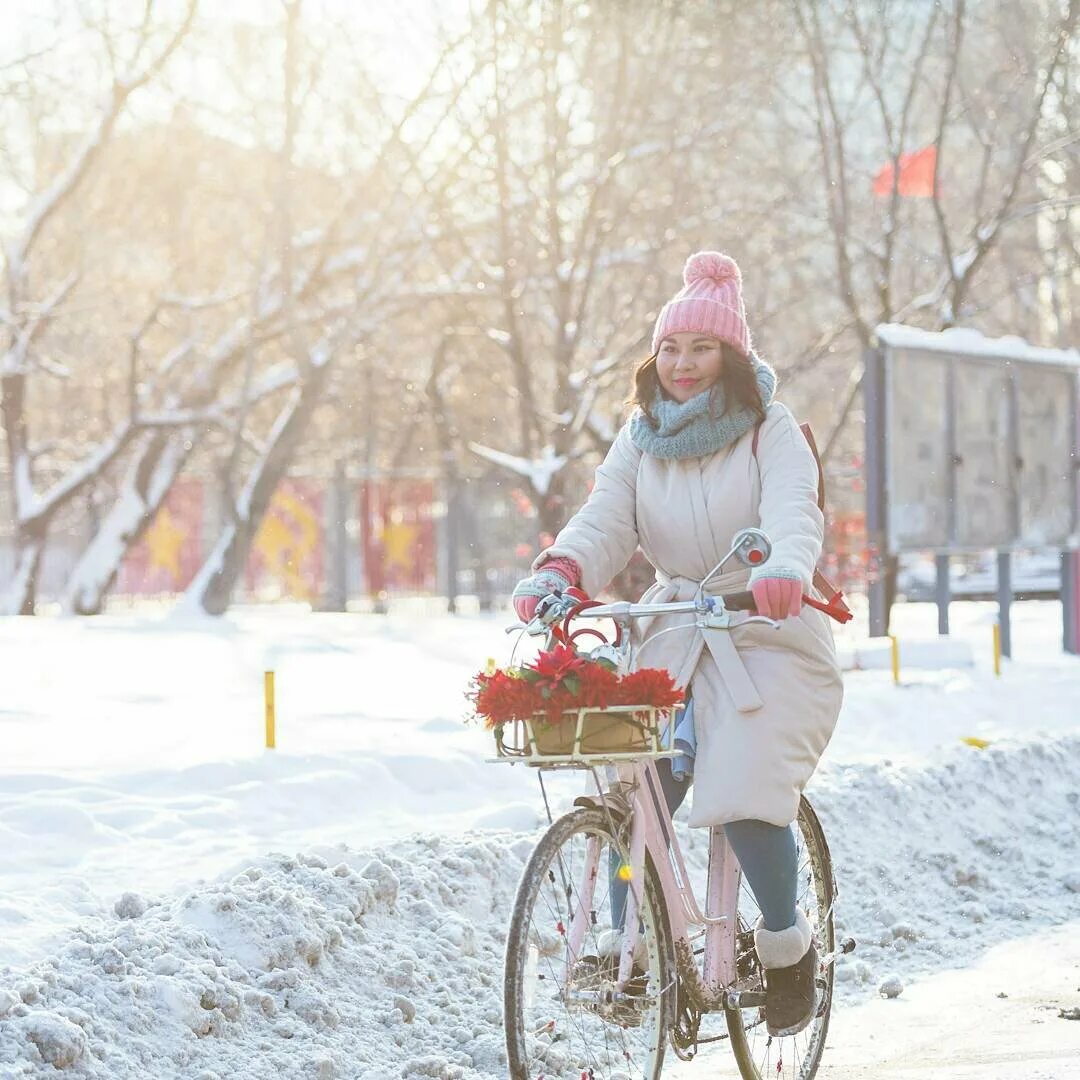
(740, 601)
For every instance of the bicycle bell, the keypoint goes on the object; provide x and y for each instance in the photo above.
(752, 547)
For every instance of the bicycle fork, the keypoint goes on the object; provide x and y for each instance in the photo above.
(583, 913)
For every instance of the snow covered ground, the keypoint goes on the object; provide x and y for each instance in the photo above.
(146, 929)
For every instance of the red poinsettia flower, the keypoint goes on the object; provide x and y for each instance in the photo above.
(554, 666)
(562, 680)
(652, 685)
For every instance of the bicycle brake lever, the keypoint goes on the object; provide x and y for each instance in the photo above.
(533, 629)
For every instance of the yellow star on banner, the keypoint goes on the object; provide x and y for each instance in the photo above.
(397, 539)
(164, 539)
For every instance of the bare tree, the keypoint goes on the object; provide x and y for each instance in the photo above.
(29, 309)
(935, 78)
(392, 240)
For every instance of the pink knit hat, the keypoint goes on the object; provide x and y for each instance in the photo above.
(710, 302)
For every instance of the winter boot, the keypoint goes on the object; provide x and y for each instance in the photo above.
(790, 962)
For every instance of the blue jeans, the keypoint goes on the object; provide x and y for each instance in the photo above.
(765, 852)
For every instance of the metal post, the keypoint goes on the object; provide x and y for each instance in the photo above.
(450, 479)
(952, 457)
(1068, 603)
(1075, 607)
(1015, 461)
(1004, 576)
(943, 592)
(874, 411)
(372, 495)
(270, 714)
(1071, 609)
(337, 542)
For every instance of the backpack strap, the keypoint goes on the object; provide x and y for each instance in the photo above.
(809, 435)
(835, 606)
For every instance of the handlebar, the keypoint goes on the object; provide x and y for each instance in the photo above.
(739, 601)
(750, 546)
(555, 613)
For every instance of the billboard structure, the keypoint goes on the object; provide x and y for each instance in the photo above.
(972, 444)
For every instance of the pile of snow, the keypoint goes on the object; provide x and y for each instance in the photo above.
(383, 966)
(936, 864)
(387, 963)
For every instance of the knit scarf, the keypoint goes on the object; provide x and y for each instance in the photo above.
(688, 429)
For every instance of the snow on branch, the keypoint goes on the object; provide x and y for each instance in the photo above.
(199, 303)
(33, 508)
(538, 471)
(15, 358)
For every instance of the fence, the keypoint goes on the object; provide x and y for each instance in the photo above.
(346, 542)
(331, 542)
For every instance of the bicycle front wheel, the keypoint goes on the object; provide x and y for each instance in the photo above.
(761, 1056)
(563, 1018)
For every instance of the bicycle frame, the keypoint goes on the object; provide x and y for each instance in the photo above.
(652, 831)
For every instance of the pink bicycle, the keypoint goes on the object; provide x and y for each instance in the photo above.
(576, 1010)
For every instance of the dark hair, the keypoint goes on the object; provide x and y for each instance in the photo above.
(738, 381)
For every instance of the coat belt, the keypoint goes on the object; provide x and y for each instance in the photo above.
(673, 587)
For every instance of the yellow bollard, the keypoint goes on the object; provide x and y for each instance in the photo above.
(997, 648)
(268, 693)
(895, 659)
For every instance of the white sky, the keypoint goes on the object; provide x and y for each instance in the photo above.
(404, 37)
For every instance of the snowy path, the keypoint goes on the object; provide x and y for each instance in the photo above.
(955, 1025)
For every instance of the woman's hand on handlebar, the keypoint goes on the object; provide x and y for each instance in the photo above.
(555, 576)
(777, 597)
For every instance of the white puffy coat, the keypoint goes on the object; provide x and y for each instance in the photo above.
(766, 701)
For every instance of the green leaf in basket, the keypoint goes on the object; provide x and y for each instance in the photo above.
(531, 676)
(572, 683)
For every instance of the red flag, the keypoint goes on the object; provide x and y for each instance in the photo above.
(916, 175)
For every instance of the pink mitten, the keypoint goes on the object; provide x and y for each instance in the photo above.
(777, 597)
(556, 575)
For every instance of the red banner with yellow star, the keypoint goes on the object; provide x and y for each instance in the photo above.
(398, 535)
(170, 552)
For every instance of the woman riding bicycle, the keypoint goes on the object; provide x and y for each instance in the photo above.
(706, 453)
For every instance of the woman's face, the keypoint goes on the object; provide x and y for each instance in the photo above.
(688, 364)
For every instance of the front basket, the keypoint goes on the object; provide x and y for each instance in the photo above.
(587, 736)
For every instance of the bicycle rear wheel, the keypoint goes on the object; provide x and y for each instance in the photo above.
(560, 1022)
(761, 1056)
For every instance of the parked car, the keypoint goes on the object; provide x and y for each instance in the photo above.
(1036, 575)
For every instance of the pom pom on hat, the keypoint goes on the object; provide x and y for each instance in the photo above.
(711, 266)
